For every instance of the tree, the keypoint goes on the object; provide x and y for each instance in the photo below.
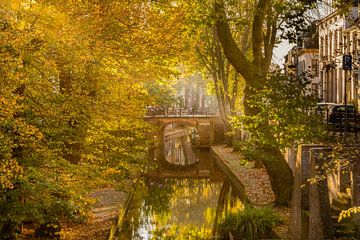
(267, 18)
(285, 111)
(71, 102)
(162, 94)
(226, 82)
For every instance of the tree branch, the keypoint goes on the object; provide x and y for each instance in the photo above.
(236, 57)
(257, 31)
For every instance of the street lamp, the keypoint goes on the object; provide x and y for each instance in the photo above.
(347, 66)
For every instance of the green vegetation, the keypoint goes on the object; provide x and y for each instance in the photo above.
(284, 116)
(72, 95)
(249, 223)
(176, 232)
(284, 111)
(76, 77)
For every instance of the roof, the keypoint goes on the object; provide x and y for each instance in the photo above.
(308, 50)
(324, 19)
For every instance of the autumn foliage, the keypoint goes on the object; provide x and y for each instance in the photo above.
(72, 95)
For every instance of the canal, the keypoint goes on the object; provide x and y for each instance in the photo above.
(181, 197)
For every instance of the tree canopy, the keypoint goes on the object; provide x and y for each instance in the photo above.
(76, 78)
(71, 100)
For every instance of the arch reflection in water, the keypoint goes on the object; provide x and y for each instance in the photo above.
(179, 144)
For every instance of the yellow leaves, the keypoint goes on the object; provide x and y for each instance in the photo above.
(111, 171)
(7, 107)
(105, 50)
(347, 213)
(16, 132)
(9, 171)
(238, 206)
(26, 132)
(11, 4)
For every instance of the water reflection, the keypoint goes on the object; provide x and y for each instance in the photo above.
(170, 204)
(179, 204)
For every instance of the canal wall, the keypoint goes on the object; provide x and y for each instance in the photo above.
(310, 211)
(122, 211)
(237, 185)
(319, 194)
(253, 182)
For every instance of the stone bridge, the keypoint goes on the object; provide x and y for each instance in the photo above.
(209, 128)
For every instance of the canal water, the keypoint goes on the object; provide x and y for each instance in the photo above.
(172, 202)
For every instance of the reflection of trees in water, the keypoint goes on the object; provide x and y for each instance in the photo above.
(169, 205)
(164, 193)
(152, 198)
(158, 197)
(178, 192)
(191, 207)
(182, 207)
(176, 232)
(228, 201)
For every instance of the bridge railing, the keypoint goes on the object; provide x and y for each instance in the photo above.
(170, 112)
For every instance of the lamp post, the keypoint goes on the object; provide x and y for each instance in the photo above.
(347, 66)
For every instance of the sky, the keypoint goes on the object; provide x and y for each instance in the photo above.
(280, 51)
(322, 10)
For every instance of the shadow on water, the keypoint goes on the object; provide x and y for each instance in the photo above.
(172, 203)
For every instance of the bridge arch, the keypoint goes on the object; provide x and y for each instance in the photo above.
(205, 126)
(204, 137)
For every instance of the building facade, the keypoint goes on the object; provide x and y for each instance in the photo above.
(303, 60)
(338, 37)
(352, 34)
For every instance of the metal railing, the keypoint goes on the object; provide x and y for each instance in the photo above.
(343, 122)
(180, 112)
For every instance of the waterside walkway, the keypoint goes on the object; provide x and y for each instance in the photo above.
(254, 182)
(104, 211)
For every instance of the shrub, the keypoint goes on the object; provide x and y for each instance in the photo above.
(249, 223)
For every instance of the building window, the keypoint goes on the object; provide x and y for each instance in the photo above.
(322, 48)
(315, 67)
(326, 52)
(301, 68)
(314, 88)
(354, 45)
(336, 44)
(330, 44)
(341, 41)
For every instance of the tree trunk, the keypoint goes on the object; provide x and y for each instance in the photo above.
(280, 174)
(254, 73)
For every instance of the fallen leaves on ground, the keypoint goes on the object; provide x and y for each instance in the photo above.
(104, 212)
(256, 180)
